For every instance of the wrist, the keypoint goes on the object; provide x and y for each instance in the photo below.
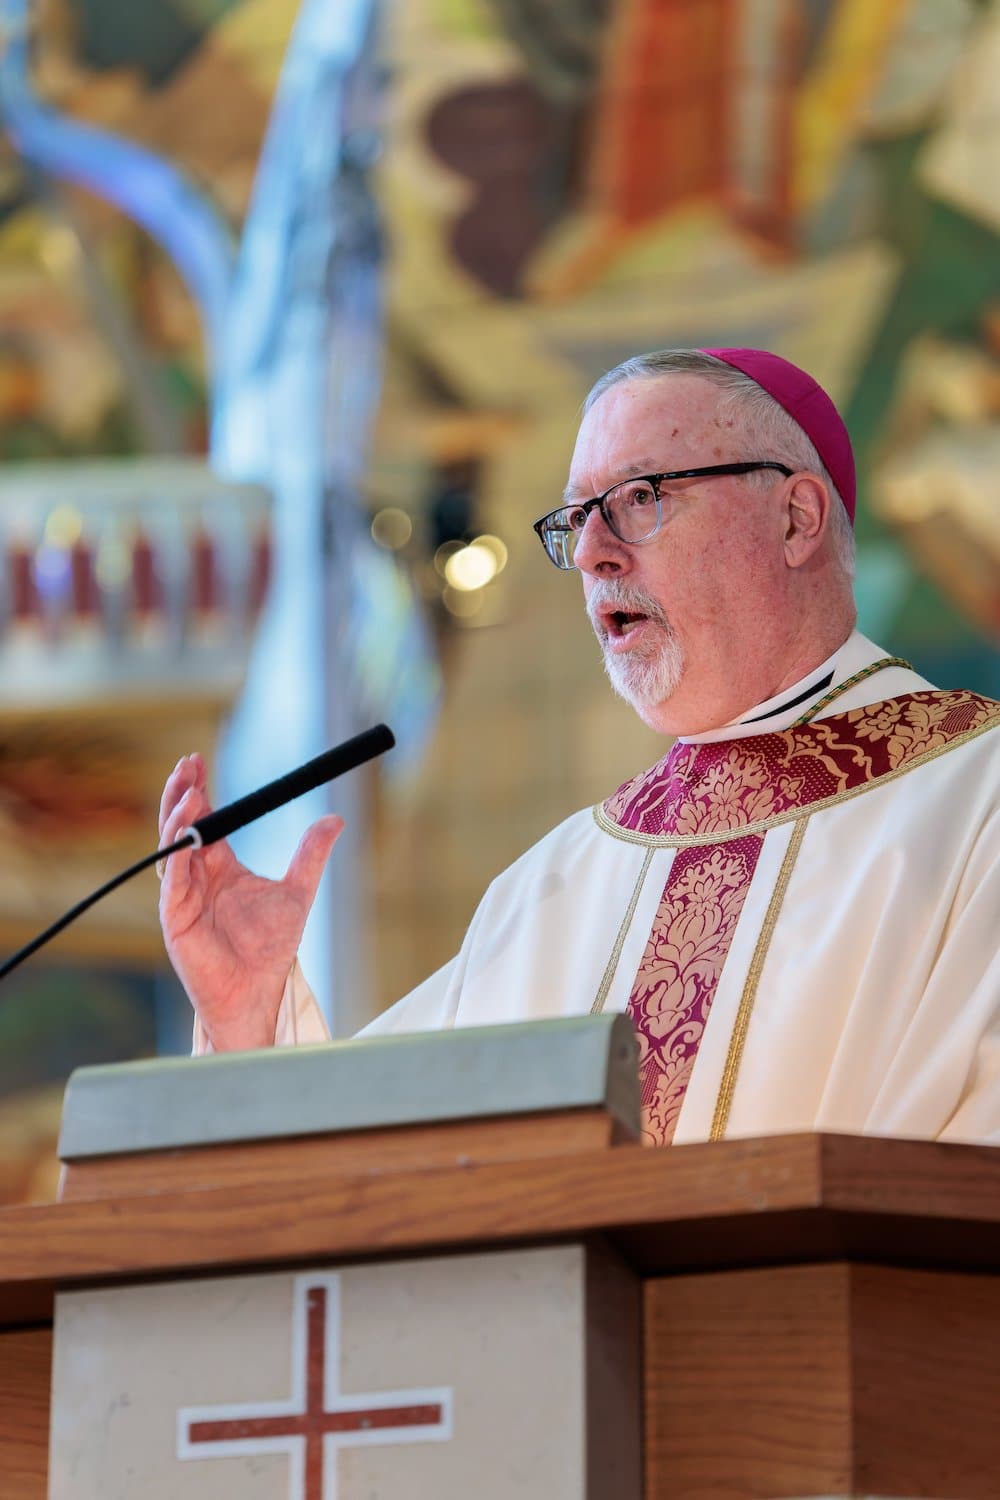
(243, 1033)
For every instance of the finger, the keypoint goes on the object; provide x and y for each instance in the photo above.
(189, 771)
(305, 870)
(181, 777)
(200, 773)
(175, 878)
(192, 805)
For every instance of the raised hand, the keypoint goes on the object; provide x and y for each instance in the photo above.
(232, 935)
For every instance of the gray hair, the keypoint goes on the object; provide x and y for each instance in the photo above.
(762, 418)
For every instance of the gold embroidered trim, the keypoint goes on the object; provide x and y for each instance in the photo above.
(616, 951)
(790, 815)
(844, 687)
(734, 1057)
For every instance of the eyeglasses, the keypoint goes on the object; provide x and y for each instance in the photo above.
(631, 510)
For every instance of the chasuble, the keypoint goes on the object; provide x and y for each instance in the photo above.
(801, 918)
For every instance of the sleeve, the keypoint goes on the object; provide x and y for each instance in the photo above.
(430, 1007)
(434, 1005)
(977, 1118)
(971, 969)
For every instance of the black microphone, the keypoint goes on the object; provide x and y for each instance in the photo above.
(346, 757)
(226, 820)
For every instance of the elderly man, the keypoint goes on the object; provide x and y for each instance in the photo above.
(799, 905)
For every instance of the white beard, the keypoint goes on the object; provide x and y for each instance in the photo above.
(651, 673)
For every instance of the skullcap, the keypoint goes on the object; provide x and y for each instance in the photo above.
(807, 402)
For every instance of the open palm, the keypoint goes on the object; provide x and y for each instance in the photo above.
(231, 935)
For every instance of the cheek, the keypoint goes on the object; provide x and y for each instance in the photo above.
(759, 564)
(693, 584)
(745, 545)
(717, 582)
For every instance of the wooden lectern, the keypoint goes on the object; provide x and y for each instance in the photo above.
(799, 1316)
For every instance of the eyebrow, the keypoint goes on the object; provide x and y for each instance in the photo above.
(626, 471)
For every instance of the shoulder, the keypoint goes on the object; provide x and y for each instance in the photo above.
(916, 726)
(574, 848)
(928, 762)
(567, 840)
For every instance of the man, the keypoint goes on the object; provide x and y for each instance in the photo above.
(799, 905)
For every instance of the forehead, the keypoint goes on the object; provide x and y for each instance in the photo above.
(647, 424)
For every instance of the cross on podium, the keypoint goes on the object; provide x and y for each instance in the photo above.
(316, 1410)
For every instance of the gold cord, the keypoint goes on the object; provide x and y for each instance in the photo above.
(843, 687)
(742, 1024)
(616, 951)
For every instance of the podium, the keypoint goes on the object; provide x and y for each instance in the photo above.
(795, 1316)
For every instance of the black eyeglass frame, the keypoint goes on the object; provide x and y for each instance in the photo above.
(654, 481)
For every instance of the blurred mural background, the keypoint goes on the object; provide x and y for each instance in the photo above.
(298, 303)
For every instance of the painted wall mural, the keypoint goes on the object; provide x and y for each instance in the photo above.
(810, 174)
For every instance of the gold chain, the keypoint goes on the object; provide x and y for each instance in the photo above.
(834, 693)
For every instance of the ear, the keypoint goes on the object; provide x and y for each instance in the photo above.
(807, 516)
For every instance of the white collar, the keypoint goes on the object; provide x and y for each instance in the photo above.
(856, 653)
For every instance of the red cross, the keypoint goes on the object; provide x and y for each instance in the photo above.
(316, 1420)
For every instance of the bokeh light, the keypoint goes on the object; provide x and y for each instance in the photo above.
(391, 528)
(473, 567)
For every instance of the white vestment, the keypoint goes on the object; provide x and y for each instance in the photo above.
(873, 1006)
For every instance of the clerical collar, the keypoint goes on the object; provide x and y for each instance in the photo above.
(779, 712)
(811, 691)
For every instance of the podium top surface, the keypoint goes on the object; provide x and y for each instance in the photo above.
(480, 1072)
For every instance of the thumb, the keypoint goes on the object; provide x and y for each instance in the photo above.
(305, 869)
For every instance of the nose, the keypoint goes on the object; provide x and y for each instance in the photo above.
(598, 551)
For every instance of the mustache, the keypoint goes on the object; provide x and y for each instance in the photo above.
(616, 593)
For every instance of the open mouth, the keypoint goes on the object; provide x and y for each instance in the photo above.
(619, 624)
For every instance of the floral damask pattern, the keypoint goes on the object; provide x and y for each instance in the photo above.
(721, 789)
(734, 784)
(680, 969)
(925, 725)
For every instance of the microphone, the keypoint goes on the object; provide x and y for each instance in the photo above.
(346, 757)
(226, 820)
